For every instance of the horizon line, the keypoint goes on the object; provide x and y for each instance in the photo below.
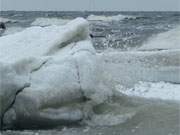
(92, 10)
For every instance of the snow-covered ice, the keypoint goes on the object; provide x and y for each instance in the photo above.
(61, 72)
(128, 68)
(52, 75)
(163, 41)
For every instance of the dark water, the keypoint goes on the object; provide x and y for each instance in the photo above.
(123, 34)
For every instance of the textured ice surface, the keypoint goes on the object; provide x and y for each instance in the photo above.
(128, 68)
(61, 67)
(12, 30)
(164, 41)
(52, 76)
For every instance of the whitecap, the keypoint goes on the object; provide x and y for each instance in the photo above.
(49, 21)
(108, 18)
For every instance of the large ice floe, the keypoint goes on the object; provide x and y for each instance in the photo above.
(51, 76)
(48, 75)
(163, 41)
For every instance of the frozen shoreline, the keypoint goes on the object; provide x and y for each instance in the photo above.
(53, 75)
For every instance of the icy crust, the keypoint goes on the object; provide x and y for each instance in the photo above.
(128, 68)
(37, 41)
(49, 21)
(164, 41)
(54, 76)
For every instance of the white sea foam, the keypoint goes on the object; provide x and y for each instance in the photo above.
(159, 90)
(108, 18)
(166, 40)
(49, 21)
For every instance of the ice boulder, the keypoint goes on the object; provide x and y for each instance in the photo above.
(53, 76)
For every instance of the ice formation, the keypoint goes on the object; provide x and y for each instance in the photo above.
(12, 30)
(52, 75)
(164, 41)
(48, 76)
(128, 68)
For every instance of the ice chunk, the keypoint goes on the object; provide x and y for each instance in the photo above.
(62, 69)
(163, 41)
(12, 30)
(37, 41)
